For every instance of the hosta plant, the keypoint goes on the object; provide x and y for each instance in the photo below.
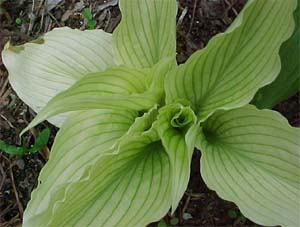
(130, 118)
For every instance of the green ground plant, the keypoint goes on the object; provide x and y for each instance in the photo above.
(39, 143)
(87, 14)
(130, 118)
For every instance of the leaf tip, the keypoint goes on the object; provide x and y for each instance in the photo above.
(23, 132)
(9, 47)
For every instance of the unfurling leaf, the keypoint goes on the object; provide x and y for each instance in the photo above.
(177, 128)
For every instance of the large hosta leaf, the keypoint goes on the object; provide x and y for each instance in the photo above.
(177, 129)
(252, 157)
(147, 32)
(116, 88)
(40, 69)
(288, 81)
(235, 64)
(84, 137)
(129, 187)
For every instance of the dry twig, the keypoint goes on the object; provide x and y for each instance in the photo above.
(193, 16)
(20, 206)
(8, 122)
(3, 176)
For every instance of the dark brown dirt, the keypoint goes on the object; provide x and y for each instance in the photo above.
(198, 21)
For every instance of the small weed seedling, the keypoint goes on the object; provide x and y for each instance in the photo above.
(91, 23)
(40, 141)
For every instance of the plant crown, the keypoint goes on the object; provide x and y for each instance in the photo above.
(130, 117)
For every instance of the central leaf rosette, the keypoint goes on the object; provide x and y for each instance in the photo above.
(183, 119)
(163, 139)
(110, 165)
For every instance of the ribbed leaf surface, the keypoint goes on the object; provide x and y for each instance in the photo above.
(83, 138)
(130, 187)
(146, 33)
(176, 126)
(41, 69)
(235, 64)
(115, 88)
(252, 157)
(288, 81)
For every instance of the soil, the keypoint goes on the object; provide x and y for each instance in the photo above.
(198, 21)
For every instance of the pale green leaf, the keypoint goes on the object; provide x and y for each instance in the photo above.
(130, 187)
(158, 73)
(143, 123)
(288, 81)
(116, 88)
(146, 33)
(82, 139)
(252, 157)
(40, 69)
(235, 64)
(177, 128)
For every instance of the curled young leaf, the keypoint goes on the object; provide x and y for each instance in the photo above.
(177, 128)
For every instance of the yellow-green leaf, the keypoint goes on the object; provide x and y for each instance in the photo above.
(252, 158)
